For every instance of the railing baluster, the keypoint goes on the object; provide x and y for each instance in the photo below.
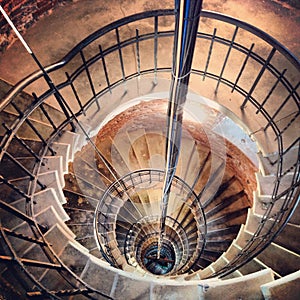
(226, 58)
(105, 68)
(271, 91)
(243, 67)
(120, 55)
(89, 77)
(70, 81)
(47, 116)
(155, 48)
(209, 52)
(264, 67)
(281, 106)
(137, 47)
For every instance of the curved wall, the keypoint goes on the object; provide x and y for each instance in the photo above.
(24, 13)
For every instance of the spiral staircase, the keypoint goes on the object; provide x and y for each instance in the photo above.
(82, 169)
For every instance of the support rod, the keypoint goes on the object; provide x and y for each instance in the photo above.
(186, 27)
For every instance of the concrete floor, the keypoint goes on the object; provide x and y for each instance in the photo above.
(54, 35)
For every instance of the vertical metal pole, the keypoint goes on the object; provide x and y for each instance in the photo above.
(186, 27)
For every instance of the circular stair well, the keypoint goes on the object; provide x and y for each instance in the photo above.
(83, 165)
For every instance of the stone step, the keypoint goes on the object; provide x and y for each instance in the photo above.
(20, 245)
(9, 194)
(295, 218)
(75, 257)
(23, 100)
(281, 260)
(266, 183)
(46, 198)
(51, 180)
(10, 220)
(58, 238)
(261, 203)
(54, 163)
(124, 148)
(71, 139)
(156, 142)
(36, 252)
(268, 164)
(25, 131)
(289, 238)
(63, 150)
(245, 287)
(139, 146)
(55, 281)
(189, 161)
(287, 288)
(49, 217)
(95, 269)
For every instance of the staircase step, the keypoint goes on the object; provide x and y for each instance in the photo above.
(189, 161)
(49, 217)
(75, 257)
(54, 163)
(266, 183)
(281, 260)
(36, 253)
(20, 245)
(25, 131)
(51, 180)
(245, 287)
(287, 288)
(173, 290)
(269, 163)
(123, 146)
(58, 238)
(139, 145)
(46, 198)
(156, 142)
(95, 269)
(54, 280)
(62, 150)
(289, 238)
(69, 138)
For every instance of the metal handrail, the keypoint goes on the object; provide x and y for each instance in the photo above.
(291, 194)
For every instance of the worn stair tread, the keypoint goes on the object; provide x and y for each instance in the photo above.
(69, 138)
(139, 145)
(280, 259)
(52, 163)
(245, 287)
(156, 142)
(46, 198)
(63, 150)
(287, 287)
(269, 162)
(25, 130)
(58, 238)
(51, 180)
(20, 245)
(75, 256)
(49, 217)
(266, 183)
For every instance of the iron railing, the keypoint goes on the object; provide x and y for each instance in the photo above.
(119, 52)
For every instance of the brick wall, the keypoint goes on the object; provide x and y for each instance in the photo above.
(23, 13)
